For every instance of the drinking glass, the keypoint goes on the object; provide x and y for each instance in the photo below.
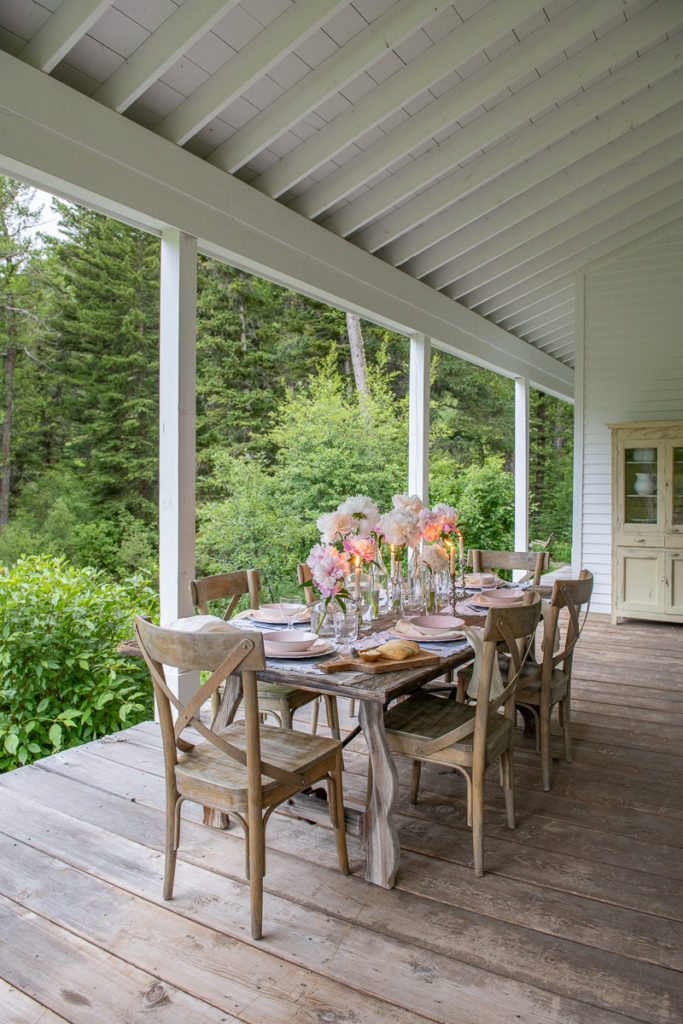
(291, 606)
(345, 622)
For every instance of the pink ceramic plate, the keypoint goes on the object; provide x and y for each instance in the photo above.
(497, 598)
(438, 621)
(272, 613)
(273, 650)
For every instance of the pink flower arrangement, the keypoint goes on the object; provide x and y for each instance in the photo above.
(329, 568)
(364, 548)
(438, 522)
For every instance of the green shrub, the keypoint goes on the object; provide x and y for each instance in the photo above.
(62, 681)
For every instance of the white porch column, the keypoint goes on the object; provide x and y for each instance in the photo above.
(521, 467)
(418, 417)
(177, 359)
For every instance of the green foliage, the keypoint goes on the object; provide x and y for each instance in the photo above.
(484, 496)
(61, 680)
(551, 472)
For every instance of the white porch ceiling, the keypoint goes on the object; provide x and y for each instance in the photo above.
(487, 150)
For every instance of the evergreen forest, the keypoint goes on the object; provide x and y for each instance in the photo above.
(285, 428)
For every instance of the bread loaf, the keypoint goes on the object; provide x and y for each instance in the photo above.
(398, 650)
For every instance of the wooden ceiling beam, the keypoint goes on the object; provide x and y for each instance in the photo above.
(587, 174)
(529, 103)
(400, 88)
(389, 30)
(61, 32)
(585, 206)
(160, 51)
(247, 65)
(540, 313)
(575, 130)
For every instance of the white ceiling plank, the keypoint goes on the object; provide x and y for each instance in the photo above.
(455, 104)
(160, 50)
(560, 329)
(529, 156)
(657, 212)
(561, 347)
(350, 60)
(520, 304)
(527, 322)
(575, 232)
(577, 182)
(69, 145)
(394, 92)
(512, 113)
(249, 64)
(584, 204)
(61, 31)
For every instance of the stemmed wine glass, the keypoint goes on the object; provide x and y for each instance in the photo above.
(291, 606)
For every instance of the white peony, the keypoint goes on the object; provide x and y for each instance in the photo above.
(363, 511)
(434, 557)
(399, 527)
(335, 525)
(408, 503)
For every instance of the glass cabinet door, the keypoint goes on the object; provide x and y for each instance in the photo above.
(677, 479)
(640, 485)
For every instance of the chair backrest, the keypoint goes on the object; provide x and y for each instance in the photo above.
(506, 630)
(533, 562)
(304, 574)
(232, 585)
(222, 654)
(575, 596)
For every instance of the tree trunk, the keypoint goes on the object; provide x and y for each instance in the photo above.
(8, 404)
(360, 370)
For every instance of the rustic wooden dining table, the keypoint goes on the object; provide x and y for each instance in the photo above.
(373, 693)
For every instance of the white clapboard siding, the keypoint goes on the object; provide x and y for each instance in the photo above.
(632, 370)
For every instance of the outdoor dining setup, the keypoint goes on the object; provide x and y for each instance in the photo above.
(435, 658)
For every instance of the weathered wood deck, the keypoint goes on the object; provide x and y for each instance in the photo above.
(577, 921)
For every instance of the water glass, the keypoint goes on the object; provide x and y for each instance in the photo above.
(291, 607)
(345, 622)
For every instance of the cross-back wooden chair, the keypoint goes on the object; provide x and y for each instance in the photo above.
(246, 769)
(533, 563)
(278, 701)
(468, 737)
(544, 685)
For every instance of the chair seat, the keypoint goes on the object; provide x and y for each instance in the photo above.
(529, 686)
(424, 717)
(276, 692)
(223, 781)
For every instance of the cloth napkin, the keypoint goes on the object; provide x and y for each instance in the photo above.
(409, 629)
(202, 624)
(475, 635)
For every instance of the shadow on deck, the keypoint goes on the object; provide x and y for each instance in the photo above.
(577, 920)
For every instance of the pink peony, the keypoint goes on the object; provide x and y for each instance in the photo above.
(361, 547)
(329, 568)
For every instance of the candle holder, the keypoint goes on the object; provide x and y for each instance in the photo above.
(457, 593)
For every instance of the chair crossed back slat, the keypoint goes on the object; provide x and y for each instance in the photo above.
(232, 585)
(534, 563)
(574, 595)
(304, 575)
(223, 654)
(514, 628)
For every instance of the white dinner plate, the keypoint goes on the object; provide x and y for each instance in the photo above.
(272, 613)
(320, 647)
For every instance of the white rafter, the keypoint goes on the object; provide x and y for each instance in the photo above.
(160, 50)
(333, 74)
(530, 190)
(61, 31)
(570, 75)
(393, 93)
(249, 64)
(528, 157)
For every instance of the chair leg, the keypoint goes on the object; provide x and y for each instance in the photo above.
(508, 781)
(285, 714)
(565, 720)
(352, 707)
(314, 715)
(257, 858)
(335, 797)
(544, 718)
(478, 822)
(415, 780)
(172, 839)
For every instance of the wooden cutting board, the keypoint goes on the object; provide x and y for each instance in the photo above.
(346, 663)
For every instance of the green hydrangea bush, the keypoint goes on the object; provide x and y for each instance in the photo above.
(62, 681)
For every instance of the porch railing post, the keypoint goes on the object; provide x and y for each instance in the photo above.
(418, 417)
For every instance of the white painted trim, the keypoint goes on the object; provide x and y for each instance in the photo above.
(65, 143)
(177, 456)
(579, 349)
(61, 32)
(521, 467)
(418, 417)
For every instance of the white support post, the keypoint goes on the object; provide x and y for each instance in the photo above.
(177, 360)
(418, 417)
(521, 468)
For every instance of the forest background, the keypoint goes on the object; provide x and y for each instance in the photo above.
(284, 429)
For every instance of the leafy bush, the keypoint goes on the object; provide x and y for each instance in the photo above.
(61, 680)
(485, 499)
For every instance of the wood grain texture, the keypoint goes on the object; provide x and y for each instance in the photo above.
(590, 880)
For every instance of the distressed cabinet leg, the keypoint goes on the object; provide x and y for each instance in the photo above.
(379, 830)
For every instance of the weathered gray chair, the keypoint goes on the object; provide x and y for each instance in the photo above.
(534, 563)
(246, 769)
(280, 702)
(548, 683)
(469, 737)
